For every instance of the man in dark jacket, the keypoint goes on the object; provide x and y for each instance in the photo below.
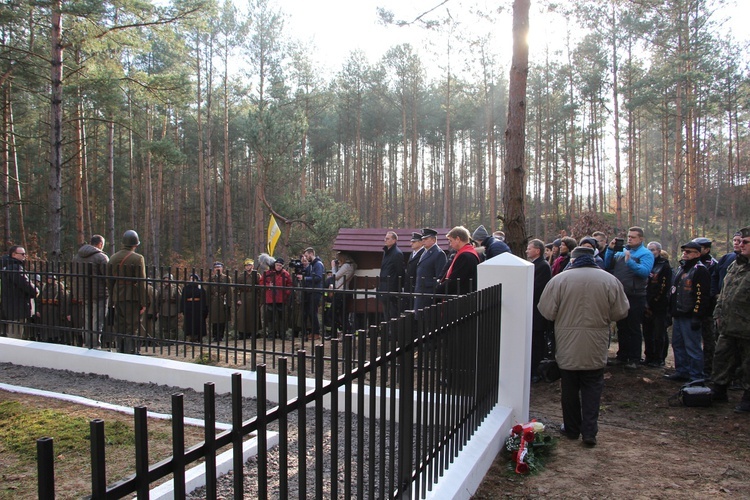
(313, 278)
(410, 278)
(492, 246)
(726, 260)
(194, 307)
(429, 267)
(17, 293)
(540, 325)
(90, 288)
(707, 329)
(689, 305)
(391, 275)
(655, 335)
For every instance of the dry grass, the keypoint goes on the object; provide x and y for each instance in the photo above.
(68, 424)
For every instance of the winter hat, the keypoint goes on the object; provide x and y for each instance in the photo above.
(480, 234)
(581, 251)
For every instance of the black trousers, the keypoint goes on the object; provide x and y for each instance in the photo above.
(581, 395)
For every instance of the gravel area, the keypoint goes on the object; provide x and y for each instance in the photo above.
(157, 398)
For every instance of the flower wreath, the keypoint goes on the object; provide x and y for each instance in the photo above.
(529, 447)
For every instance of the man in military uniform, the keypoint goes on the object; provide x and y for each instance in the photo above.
(169, 307)
(732, 315)
(127, 291)
(417, 249)
(429, 267)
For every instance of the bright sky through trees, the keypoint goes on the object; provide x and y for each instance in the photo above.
(336, 27)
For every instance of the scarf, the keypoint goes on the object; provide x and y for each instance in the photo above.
(468, 248)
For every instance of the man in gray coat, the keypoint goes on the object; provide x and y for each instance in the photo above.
(582, 302)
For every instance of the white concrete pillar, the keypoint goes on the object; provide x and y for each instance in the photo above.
(517, 278)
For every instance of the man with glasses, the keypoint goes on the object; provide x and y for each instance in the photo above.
(732, 315)
(689, 304)
(18, 292)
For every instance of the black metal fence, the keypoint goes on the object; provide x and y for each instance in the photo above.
(240, 318)
(425, 381)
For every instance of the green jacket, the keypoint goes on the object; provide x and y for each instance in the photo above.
(732, 311)
(126, 281)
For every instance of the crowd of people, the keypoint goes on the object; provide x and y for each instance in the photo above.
(583, 287)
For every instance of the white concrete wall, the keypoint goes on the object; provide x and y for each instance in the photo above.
(466, 473)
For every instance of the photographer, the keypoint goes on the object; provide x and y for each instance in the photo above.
(632, 266)
(312, 278)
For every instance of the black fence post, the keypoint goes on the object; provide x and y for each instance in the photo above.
(406, 406)
(237, 455)
(209, 430)
(178, 445)
(45, 468)
(262, 434)
(98, 460)
(141, 452)
(302, 425)
(283, 430)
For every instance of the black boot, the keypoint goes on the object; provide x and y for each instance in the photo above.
(744, 406)
(719, 393)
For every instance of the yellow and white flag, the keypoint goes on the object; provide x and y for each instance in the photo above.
(274, 233)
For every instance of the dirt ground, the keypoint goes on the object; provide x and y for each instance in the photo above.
(646, 447)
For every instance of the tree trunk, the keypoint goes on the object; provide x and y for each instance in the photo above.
(56, 125)
(514, 187)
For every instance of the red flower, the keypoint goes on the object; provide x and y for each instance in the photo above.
(522, 468)
(528, 436)
(517, 429)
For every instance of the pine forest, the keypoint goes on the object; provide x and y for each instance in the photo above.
(194, 121)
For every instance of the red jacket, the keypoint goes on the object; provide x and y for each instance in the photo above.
(273, 279)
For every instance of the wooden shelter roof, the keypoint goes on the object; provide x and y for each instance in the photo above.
(371, 239)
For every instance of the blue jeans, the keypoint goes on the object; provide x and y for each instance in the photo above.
(686, 344)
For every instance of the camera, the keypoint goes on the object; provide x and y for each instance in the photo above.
(297, 266)
(619, 244)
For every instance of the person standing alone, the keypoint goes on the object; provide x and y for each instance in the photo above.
(582, 302)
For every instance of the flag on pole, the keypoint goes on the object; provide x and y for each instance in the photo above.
(273, 235)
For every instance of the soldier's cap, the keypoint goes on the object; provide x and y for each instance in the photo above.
(744, 232)
(429, 233)
(218, 264)
(416, 236)
(691, 244)
(167, 277)
(249, 261)
(704, 242)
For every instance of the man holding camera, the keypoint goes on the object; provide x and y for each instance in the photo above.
(631, 264)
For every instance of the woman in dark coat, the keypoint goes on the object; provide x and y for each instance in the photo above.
(194, 305)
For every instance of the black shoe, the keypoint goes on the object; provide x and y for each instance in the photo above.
(567, 434)
(589, 441)
(676, 377)
(631, 366)
(616, 362)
